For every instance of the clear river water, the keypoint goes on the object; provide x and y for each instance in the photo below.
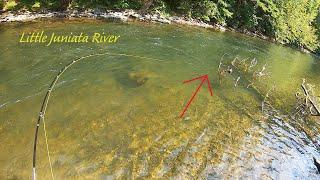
(117, 116)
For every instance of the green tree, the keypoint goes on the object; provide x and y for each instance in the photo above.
(208, 10)
(293, 20)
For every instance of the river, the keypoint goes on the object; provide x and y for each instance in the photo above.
(117, 115)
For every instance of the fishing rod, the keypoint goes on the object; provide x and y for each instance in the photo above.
(43, 109)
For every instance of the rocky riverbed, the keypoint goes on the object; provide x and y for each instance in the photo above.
(124, 16)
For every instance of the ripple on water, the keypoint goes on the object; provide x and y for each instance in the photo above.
(117, 117)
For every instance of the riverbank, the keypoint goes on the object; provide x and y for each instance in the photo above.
(124, 16)
(127, 16)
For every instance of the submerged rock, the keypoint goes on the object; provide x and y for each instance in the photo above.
(187, 118)
(133, 79)
(140, 78)
(316, 164)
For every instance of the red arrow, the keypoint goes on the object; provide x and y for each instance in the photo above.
(203, 79)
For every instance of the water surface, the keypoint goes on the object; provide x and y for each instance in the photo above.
(117, 116)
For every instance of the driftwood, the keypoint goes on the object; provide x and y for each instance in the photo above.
(244, 71)
(310, 98)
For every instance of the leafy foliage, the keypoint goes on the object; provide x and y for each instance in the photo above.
(293, 21)
(10, 5)
(207, 10)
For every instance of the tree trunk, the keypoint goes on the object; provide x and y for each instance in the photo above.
(146, 5)
(64, 4)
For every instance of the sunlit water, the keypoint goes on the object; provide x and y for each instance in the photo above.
(118, 116)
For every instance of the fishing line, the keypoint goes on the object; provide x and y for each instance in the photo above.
(46, 101)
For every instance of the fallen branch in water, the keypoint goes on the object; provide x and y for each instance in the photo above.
(310, 98)
(244, 73)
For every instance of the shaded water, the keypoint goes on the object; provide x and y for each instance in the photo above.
(117, 116)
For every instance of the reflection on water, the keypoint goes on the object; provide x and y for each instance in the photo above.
(116, 116)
